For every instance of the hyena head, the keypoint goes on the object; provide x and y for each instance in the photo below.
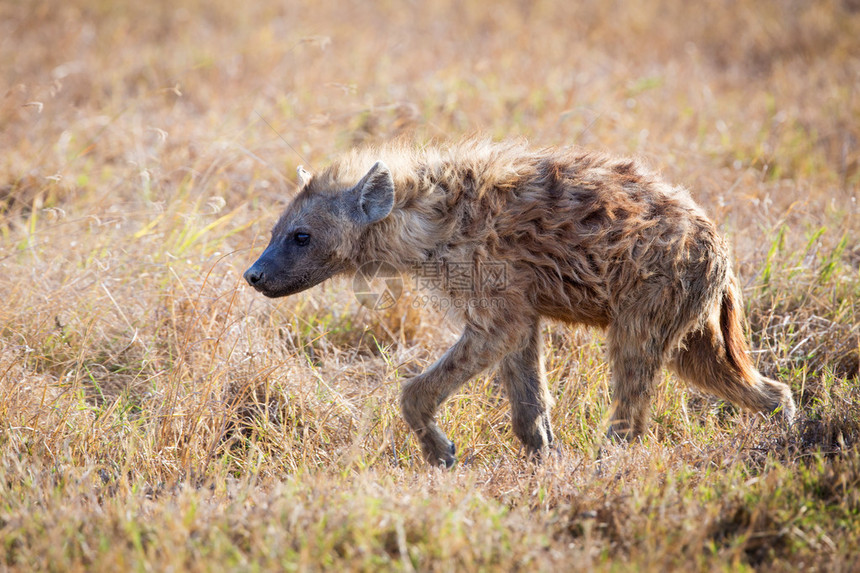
(320, 232)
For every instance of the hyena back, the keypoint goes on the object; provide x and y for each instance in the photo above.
(583, 239)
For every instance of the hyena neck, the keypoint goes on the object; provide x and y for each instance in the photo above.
(408, 236)
(402, 240)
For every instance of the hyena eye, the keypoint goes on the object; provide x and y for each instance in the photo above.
(302, 239)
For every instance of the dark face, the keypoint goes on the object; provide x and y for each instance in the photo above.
(314, 238)
(303, 250)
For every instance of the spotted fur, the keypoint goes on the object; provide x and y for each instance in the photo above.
(584, 238)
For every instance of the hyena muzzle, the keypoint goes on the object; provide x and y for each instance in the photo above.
(583, 239)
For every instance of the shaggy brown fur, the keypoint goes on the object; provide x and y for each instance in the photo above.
(584, 239)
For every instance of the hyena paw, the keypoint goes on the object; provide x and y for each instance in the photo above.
(446, 455)
(535, 434)
(621, 433)
(536, 455)
(452, 455)
(439, 450)
(537, 447)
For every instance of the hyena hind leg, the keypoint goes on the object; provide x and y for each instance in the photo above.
(704, 363)
(523, 375)
(634, 368)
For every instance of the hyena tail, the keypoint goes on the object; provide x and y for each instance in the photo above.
(732, 329)
(715, 358)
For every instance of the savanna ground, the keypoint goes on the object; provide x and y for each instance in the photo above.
(156, 414)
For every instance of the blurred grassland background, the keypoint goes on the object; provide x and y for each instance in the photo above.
(156, 414)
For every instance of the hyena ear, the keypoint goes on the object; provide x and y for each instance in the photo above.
(304, 176)
(375, 194)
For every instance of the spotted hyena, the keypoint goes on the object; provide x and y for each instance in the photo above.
(583, 239)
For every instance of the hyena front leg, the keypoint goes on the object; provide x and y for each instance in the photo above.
(477, 350)
(523, 374)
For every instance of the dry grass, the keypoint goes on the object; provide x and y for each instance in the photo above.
(156, 414)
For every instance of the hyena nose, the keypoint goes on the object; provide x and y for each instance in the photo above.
(253, 276)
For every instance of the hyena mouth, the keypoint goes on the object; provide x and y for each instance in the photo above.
(263, 284)
(262, 290)
(265, 290)
(281, 291)
(274, 293)
(278, 293)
